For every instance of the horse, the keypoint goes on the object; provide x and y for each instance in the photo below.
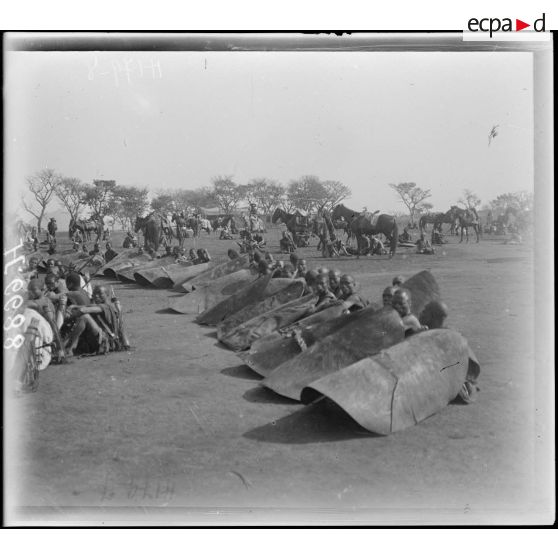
(150, 227)
(86, 228)
(360, 225)
(436, 219)
(297, 224)
(466, 218)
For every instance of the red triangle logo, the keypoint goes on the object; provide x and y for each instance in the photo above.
(519, 25)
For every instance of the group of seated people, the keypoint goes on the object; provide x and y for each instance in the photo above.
(201, 255)
(83, 319)
(332, 287)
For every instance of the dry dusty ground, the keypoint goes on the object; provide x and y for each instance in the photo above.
(179, 430)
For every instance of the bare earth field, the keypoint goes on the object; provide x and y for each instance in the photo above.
(179, 431)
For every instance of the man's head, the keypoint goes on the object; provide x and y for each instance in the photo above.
(263, 267)
(33, 262)
(397, 281)
(334, 279)
(293, 258)
(322, 284)
(51, 281)
(50, 263)
(100, 294)
(175, 251)
(34, 289)
(73, 281)
(108, 246)
(302, 266)
(323, 270)
(434, 314)
(310, 278)
(401, 302)
(233, 254)
(348, 284)
(387, 296)
(269, 258)
(288, 271)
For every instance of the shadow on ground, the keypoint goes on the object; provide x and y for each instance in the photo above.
(261, 394)
(242, 372)
(322, 421)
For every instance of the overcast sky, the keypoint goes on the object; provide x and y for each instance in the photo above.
(175, 120)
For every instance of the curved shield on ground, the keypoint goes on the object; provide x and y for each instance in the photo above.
(123, 255)
(164, 277)
(271, 351)
(402, 385)
(366, 335)
(253, 292)
(127, 274)
(127, 261)
(424, 289)
(242, 336)
(209, 294)
(215, 272)
(291, 292)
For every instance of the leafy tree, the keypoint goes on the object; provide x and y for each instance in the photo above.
(307, 193)
(412, 196)
(336, 193)
(130, 201)
(71, 193)
(42, 185)
(164, 202)
(227, 193)
(100, 198)
(518, 200)
(265, 193)
(470, 200)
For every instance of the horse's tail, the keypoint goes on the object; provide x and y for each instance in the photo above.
(394, 237)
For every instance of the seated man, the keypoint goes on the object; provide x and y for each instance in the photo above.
(32, 272)
(55, 290)
(433, 315)
(340, 248)
(335, 282)
(387, 296)
(130, 240)
(437, 237)
(310, 277)
(377, 247)
(96, 328)
(110, 254)
(264, 268)
(51, 267)
(325, 296)
(39, 302)
(203, 256)
(287, 272)
(225, 234)
(75, 294)
(401, 302)
(405, 235)
(301, 269)
(232, 254)
(424, 246)
(286, 242)
(352, 301)
(397, 281)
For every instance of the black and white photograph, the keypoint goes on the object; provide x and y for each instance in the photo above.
(277, 279)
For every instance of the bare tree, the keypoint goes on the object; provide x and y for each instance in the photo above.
(336, 192)
(227, 193)
(71, 193)
(266, 193)
(42, 185)
(130, 201)
(307, 193)
(470, 200)
(100, 197)
(412, 196)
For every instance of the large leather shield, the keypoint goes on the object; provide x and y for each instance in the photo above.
(366, 335)
(127, 274)
(215, 272)
(245, 334)
(255, 291)
(291, 292)
(164, 277)
(209, 294)
(128, 261)
(123, 255)
(269, 352)
(402, 385)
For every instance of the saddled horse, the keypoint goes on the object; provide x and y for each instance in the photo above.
(361, 225)
(297, 224)
(86, 228)
(466, 218)
(150, 227)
